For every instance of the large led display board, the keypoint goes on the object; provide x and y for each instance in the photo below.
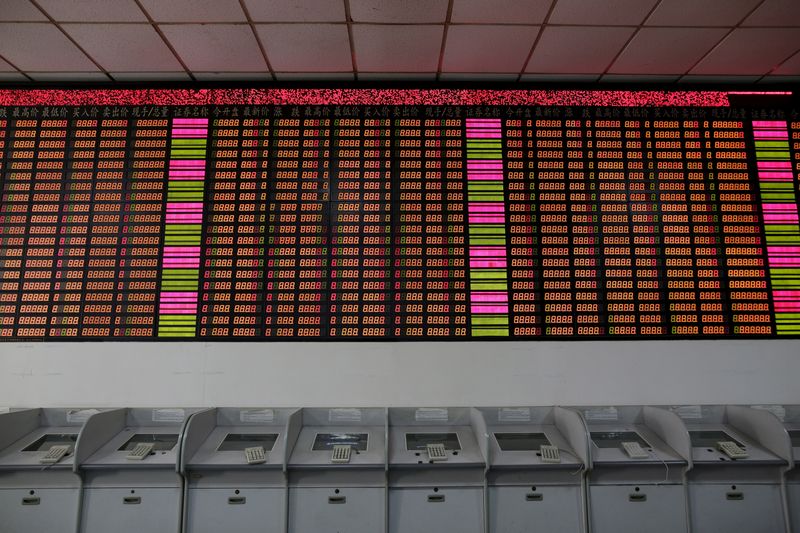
(290, 214)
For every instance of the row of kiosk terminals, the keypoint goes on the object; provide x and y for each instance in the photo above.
(637, 469)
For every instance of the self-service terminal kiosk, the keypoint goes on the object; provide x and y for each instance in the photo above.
(638, 461)
(790, 415)
(132, 482)
(337, 470)
(437, 470)
(735, 484)
(537, 460)
(234, 463)
(39, 489)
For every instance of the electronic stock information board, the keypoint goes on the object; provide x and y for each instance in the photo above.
(398, 214)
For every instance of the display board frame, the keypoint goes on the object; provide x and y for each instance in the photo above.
(476, 104)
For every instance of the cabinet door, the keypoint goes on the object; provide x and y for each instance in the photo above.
(545, 510)
(140, 510)
(739, 508)
(323, 510)
(793, 494)
(448, 509)
(651, 509)
(223, 510)
(44, 511)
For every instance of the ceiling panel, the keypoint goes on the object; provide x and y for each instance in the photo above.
(20, 10)
(750, 51)
(12, 77)
(296, 11)
(489, 40)
(194, 10)
(477, 76)
(68, 76)
(307, 47)
(488, 48)
(700, 12)
(150, 76)
(775, 13)
(634, 78)
(93, 10)
(5, 67)
(216, 47)
(789, 67)
(781, 79)
(719, 79)
(500, 11)
(405, 11)
(666, 50)
(288, 76)
(577, 49)
(41, 47)
(124, 47)
(550, 78)
(232, 76)
(400, 48)
(384, 76)
(625, 12)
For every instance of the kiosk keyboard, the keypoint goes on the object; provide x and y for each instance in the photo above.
(54, 454)
(634, 450)
(341, 453)
(436, 452)
(731, 449)
(140, 451)
(549, 453)
(255, 455)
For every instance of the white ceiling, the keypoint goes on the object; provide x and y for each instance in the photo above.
(508, 40)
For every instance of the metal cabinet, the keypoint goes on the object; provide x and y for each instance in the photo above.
(548, 508)
(342, 510)
(749, 508)
(225, 492)
(126, 494)
(437, 491)
(337, 471)
(235, 510)
(436, 509)
(735, 493)
(529, 491)
(639, 457)
(34, 495)
(632, 508)
(789, 415)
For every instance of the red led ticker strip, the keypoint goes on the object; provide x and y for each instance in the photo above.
(281, 96)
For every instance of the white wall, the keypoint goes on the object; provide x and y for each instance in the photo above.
(394, 374)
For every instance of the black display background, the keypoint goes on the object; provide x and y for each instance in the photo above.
(394, 113)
